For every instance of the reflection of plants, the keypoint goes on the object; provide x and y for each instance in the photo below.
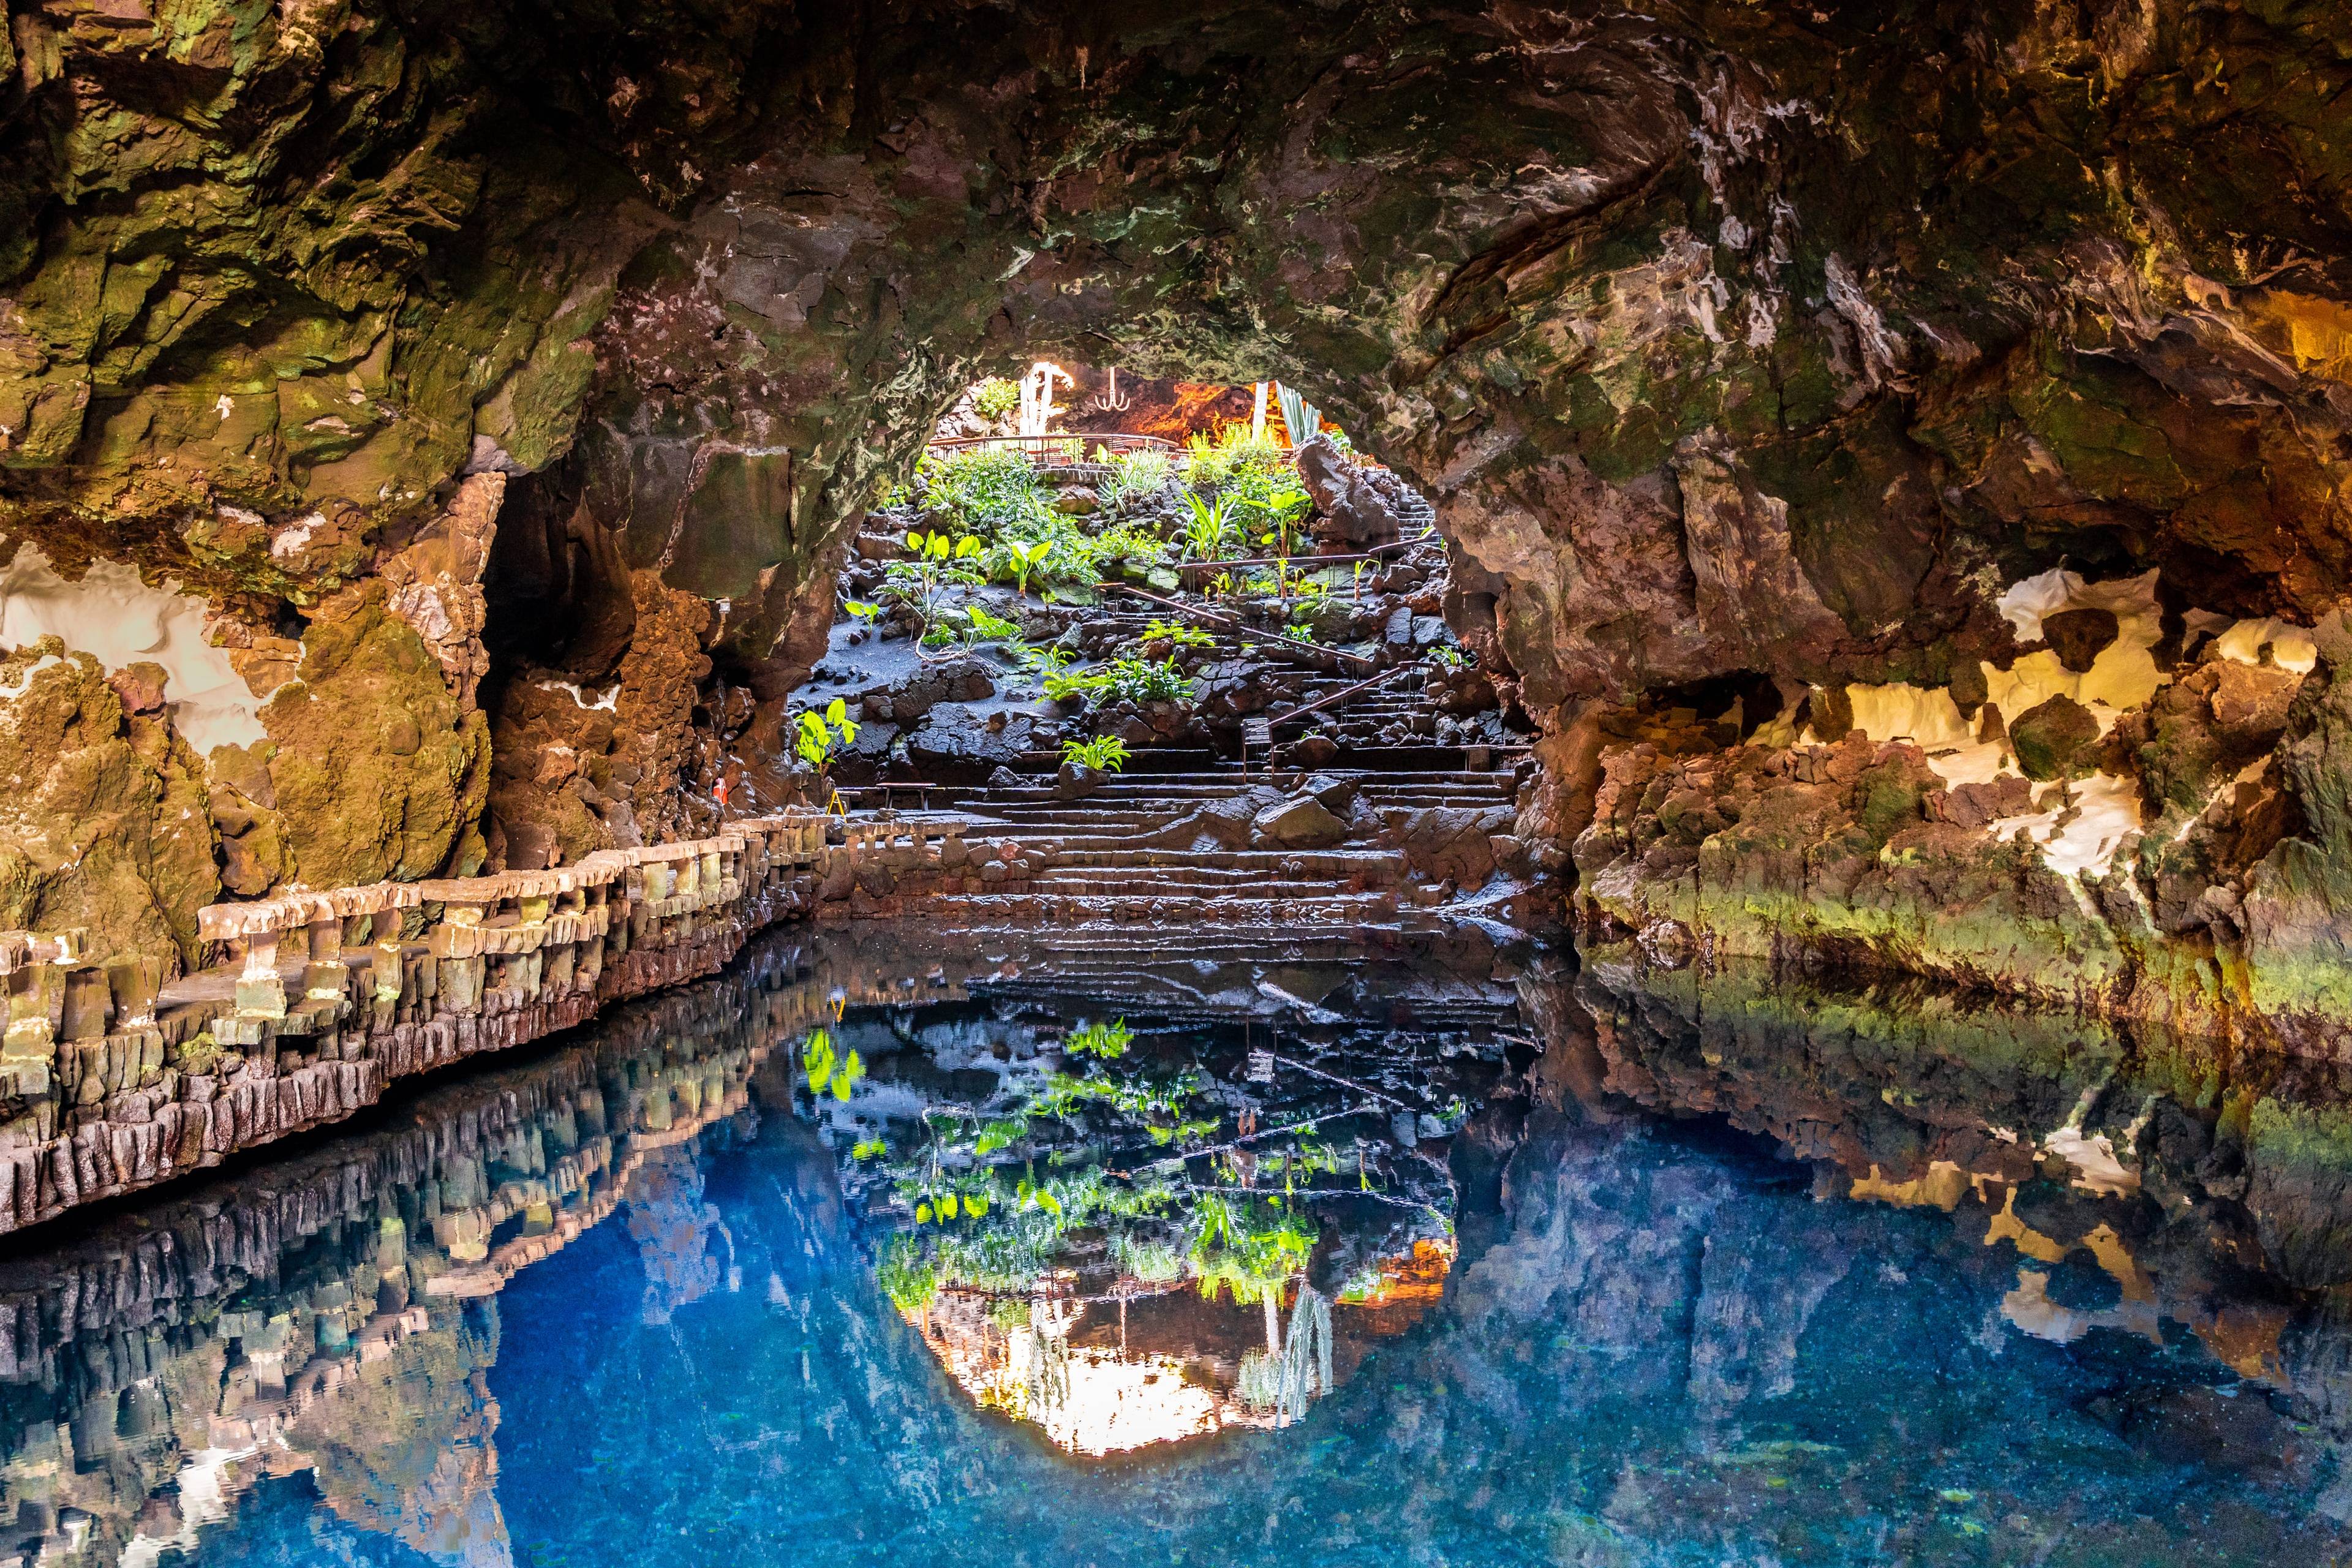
(908, 1274)
(1250, 1247)
(1103, 753)
(1148, 1261)
(1103, 1040)
(817, 736)
(827, 1070)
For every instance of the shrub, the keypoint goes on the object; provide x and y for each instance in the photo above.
(1182, 635)
(1103, 753)
(996, 398)
(1134, 476)
(985, 491)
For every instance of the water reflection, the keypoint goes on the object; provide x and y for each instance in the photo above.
(1736, 1269)
(1188, 1215)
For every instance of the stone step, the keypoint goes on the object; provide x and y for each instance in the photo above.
(1321, 911)
(1307, 862)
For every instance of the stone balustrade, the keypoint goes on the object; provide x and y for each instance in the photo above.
(111, 1080)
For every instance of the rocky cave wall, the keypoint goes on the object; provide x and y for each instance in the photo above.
(505, 382)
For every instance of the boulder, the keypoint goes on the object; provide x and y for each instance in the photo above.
(1357, 505)
(1336, 792)
(1452, 843)
(2054, 740)
(1313, 751)
(1300, 823)
(2249, 701)
(1077, 781)
(1975, 804)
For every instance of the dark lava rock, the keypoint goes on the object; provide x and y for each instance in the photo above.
(1077, 781)
(1336, 791)
(954, 745)
(1358, 505)
(1232, 687)
(1219, 825)
(1452, 843)
(911, 697)
(2077, 637)
(1312, 751)
(2055, 740)
(861, 761)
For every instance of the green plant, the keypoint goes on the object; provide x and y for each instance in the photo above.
(1300, 417)
(1175, 632)
(1204, 536)
(987, 490)
(1103, 753)
(1063, 685)
(980, 626)
(1104, 1040)
(996, 398)
(1127, 543)
(1280, 505)
(1143, 680)
(818, 734)
(916, 583)
(1021, 558)
(1134, 476)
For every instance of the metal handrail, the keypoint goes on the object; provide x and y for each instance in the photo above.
(1075, 447)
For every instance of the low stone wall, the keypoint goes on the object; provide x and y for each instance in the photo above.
(112, 1082)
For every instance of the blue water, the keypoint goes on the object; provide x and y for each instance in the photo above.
(1672, 1354)
(1662, 1341)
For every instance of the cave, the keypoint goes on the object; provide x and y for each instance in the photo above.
(1322, 770)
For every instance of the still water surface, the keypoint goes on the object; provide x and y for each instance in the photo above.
(1000, 1257)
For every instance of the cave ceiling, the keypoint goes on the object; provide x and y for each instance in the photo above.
(1726, 337)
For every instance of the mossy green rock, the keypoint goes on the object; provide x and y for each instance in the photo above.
(2056, 739)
